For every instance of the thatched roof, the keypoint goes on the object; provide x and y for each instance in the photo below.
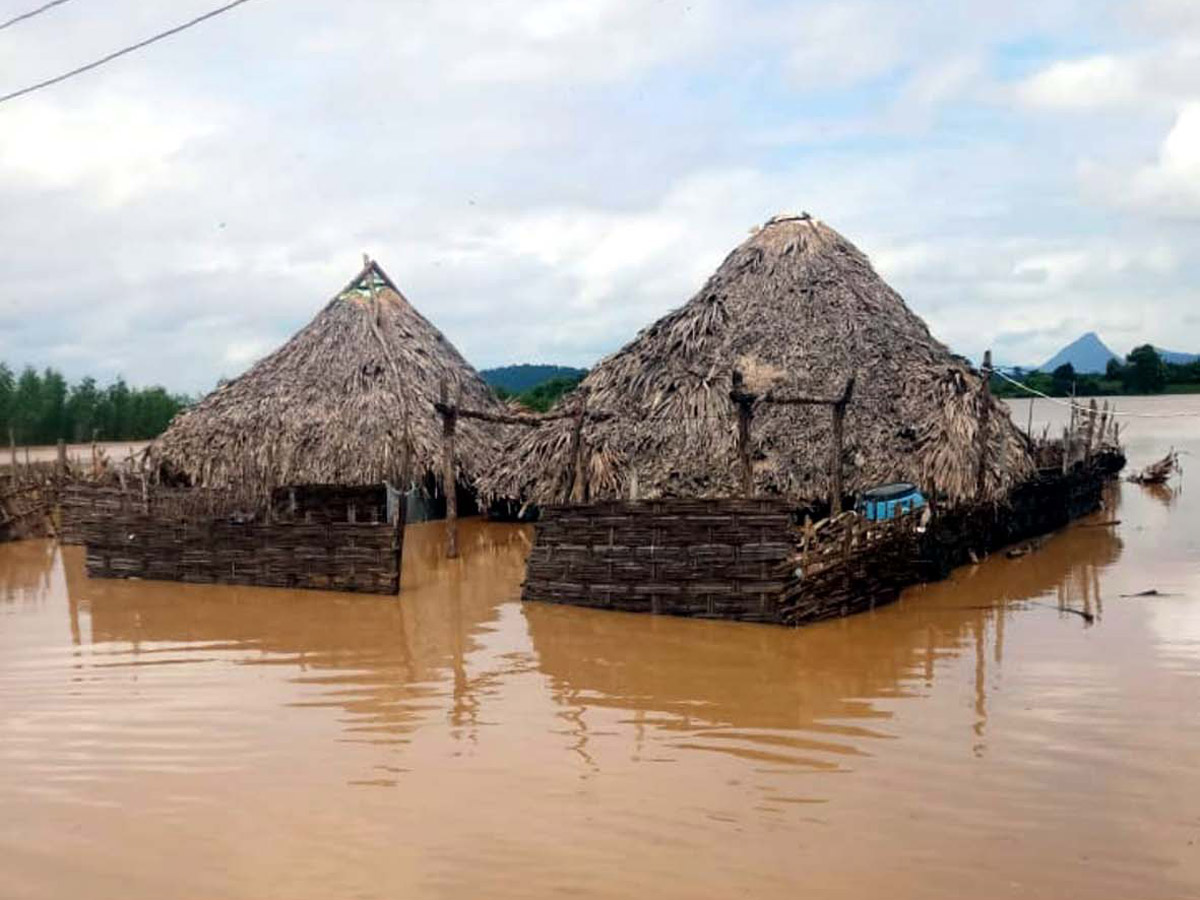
(329, 406)
(797, 309)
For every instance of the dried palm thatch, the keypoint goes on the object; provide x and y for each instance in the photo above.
(798, 310)
(337, 403)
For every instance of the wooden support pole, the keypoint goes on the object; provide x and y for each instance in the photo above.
(12, 449)
(398, 537)
(449, 480)
(838, 451)
(1029, 424)
(406, 458)
(743, 402)
(62, 456)
(835, 463)
(985, 414)
(575, 475)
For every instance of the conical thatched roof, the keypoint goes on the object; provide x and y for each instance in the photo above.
(329, 406)
(797, 309)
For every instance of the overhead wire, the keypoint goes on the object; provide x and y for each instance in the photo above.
(116, 54)
(33, 12)
(1083, 407)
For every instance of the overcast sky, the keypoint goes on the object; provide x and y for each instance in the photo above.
(542, 179)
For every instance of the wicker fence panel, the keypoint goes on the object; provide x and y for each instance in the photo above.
(703, 558)
(179, 536)
(745, 560)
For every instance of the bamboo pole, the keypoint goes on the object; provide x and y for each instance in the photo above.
(12, 449)
(984, 416)
(1029, 425)
(1091, 431)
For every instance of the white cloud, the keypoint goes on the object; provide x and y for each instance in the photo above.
(1170, 186)
(842, 44)
(1174, 180)
(118, 147)
(1083, 84)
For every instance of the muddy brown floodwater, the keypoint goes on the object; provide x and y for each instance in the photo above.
(974, 740)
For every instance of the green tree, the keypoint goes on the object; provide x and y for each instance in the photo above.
(43, 408)
(8, 389)
(1145, 371)
(1062, 379)
(83, 410)
(52, 415)
(27, 406)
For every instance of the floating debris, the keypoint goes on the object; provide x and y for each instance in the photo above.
(1158, 472)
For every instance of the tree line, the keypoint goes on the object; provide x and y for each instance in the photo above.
(42, 408)
(542, 396)
(1143, 371)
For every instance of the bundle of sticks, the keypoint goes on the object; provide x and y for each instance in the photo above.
(1158, 472)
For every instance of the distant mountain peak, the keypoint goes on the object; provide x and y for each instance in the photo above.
(1087, 354)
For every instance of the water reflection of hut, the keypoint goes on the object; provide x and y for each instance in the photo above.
(385, 663)
(346, 401)
(680, 676)
(795, 308)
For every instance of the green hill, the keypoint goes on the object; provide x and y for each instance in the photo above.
(520, 378)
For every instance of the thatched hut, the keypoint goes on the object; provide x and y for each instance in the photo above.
(337, 404)
(796, 309)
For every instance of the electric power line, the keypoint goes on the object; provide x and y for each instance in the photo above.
(33, 12)
(1084, 408)
(122, 52)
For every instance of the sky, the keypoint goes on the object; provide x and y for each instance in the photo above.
(543, 179)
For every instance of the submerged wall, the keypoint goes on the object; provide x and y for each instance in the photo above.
(321, 538)
(745, 559)
(706, 558)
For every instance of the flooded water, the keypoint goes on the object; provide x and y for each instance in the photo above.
(113, 451)
(977, 739)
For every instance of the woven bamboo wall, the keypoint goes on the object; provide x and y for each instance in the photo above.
(744, 560)
(848, 566)
(706, 558)
(173, 535)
